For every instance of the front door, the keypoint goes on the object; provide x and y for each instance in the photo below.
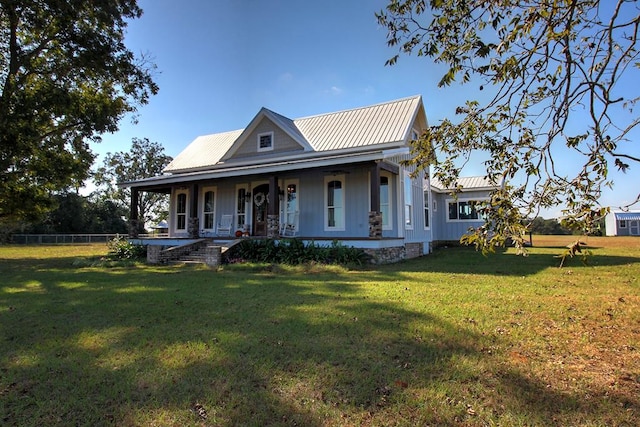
(634, 228)
(260, 204)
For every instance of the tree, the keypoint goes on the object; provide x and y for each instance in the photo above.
(145, 159)
(556, 111)
(66, 77)
(74, 213)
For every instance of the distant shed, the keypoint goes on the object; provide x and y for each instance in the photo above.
(623, 223)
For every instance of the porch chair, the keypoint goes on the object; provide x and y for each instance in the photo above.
(290, 229)
(225, 225)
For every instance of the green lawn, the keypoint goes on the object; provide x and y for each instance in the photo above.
(452, 338)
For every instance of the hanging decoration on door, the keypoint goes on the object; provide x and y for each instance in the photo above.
(260, 198)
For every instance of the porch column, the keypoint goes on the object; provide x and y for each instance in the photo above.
(134, 223)
(194, 223)
(375, 216)
(273, 209)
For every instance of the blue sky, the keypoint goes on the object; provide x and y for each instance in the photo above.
(220, 61)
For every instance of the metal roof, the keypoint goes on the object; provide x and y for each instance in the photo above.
(627, 216)
(468, 183)
(353, 130)
(377, 124)
(206, 150)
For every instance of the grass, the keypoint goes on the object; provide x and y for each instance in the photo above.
(453, 338)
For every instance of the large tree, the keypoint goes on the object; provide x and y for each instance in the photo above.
(556, 113)
(66, 77)
(145, 159)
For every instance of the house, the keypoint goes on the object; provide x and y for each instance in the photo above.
(622, 223)
(337, 176)
(452, 216)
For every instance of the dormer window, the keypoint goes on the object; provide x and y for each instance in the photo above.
(265, 141)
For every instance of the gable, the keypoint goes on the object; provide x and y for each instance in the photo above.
(249, 144)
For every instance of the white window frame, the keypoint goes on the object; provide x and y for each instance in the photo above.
(247, 208)
(389, 224)
(186, 212)
(457, 201)
(202, 208)
(286, 211)
(327, 180)
(623, 223)
(270, 147)
(427, 209)
(407, 187)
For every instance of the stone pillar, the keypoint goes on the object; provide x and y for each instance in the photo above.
(273, 226)
(213, 256)
(375, 225)
(192, 227)
(153, 254)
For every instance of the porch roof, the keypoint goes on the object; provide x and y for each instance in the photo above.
(299, 162)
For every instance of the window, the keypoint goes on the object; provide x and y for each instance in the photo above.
(291, 204)
(241, 208)
(208, 209)
(465, 210)
(181, 211)
(385, 206)
(408, 202)
(623, 223)
(426, 209)
(265, 141)
(334, 202)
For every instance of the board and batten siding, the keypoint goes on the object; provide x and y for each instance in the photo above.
(281, 141)
(453, 230)
(417, 233)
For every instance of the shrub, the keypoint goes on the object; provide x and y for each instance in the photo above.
(121, 248)
(294, 251)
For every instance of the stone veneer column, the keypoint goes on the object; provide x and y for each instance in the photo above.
(153, 254)
(375, 225)
(273, 226)
(213, 256)
(192, 227)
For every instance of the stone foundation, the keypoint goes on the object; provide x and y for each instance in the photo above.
(213, 256)
(414, 250)
(395, 254)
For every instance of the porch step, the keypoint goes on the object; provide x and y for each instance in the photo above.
(198, 256)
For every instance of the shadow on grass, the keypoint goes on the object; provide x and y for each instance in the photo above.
(466, 260)
(138, 346)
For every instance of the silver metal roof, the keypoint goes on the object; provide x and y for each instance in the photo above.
(206, 150)
(358, 129)
(627, 216)
(467, 183)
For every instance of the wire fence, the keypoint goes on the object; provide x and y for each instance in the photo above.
(36, 239)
